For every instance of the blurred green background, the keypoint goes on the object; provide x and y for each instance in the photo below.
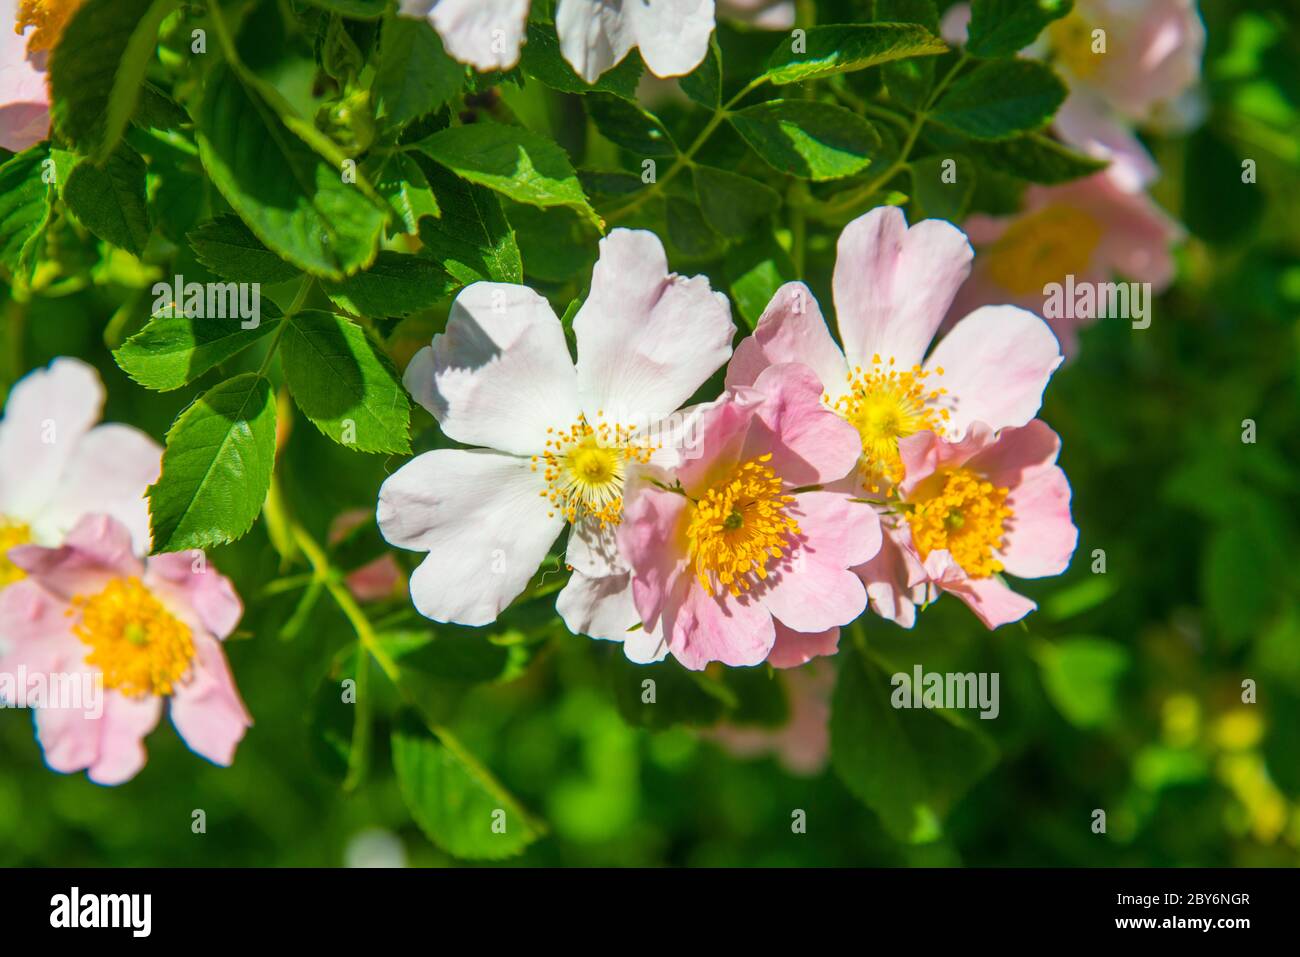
(1122, 693)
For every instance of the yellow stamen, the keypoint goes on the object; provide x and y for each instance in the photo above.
(739, 526)
(584, 468)
(49, 17)
(12, 534)
(141, 648)
(885, 405)
(1071, 41)
(963, 512)
(1044, 247)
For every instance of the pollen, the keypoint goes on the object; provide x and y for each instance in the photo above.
(1044, 247)
(12, 534)
(49, 17)
(141, 648)
(1071, 39)
(585, 466)
(886, 404)
(739, 527)
(963, 512)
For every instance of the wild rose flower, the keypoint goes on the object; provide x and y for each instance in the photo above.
(146, 632)
(1151, 60)
(988, 504)
(734, 557)
(893, 285)
(57, 465)
(29, 30)
(557, 441)
(595, 35)
(1092, 229)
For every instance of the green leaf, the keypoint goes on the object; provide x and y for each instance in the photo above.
(174, 350)
(732, 204)
(756, 269)
(1082, 676)
(98, 66)
(806, 138)
(345, 384)
(688, 231)
(542, 60)
(404, 185)
(396, 284)
(1001, 99)
(1005, 27)
(909, 81)
(25, 199)
(704, 83)
(292, 199)
(511, 160)
(1227, 214)
(679, 697)
(932, 193)
(110, 199)
(456, 801)
(910, 766)
(415, 75)
(216, 469)
(629, 126)
(355, 9)
(843, 48)
(471, 240)
(228, 248)
(1037, 158)
(556, 245)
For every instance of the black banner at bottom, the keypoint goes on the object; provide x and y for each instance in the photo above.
(342, 906)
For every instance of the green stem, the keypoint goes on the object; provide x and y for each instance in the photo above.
(851, 198)
(684, 160)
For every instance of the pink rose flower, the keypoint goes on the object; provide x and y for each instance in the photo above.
(1093, 229)
(142, 632)
(893, 285)
(991, 503)
(27, 33)
(733, 556)
(57, 465)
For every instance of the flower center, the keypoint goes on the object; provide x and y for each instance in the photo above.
(141, 648)
(739, 526)
(964, 513)
(1044, 247)
(584, 468)
(1071, 40)
(49, 17)
(12, 534)
(885, 405)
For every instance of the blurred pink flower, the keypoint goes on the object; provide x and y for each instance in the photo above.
(1138, 58)
(376, 580)
(143, 632)
(803, 743)
(768, 14)
(1092, 229)
(733, 559)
